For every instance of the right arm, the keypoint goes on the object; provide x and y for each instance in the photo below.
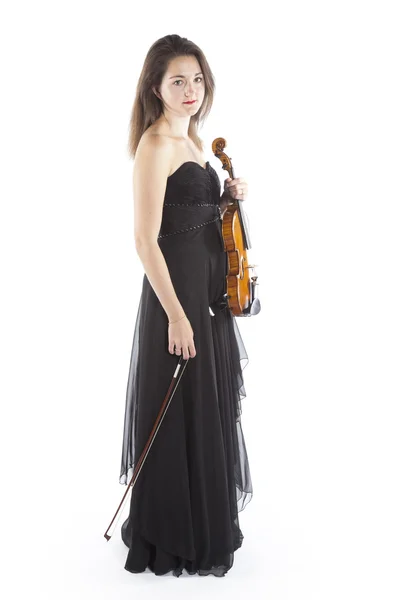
(151, 169)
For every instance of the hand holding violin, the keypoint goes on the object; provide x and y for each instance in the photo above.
(236, 188)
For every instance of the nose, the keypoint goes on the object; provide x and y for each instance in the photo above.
(189, 90)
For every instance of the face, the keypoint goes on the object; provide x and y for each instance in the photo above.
(182, 81)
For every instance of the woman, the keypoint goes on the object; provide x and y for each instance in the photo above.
(196, 478)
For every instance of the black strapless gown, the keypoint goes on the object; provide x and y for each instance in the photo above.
(196, 478)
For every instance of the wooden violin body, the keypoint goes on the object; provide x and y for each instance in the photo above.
(241, 280)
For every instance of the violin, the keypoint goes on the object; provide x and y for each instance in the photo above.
(241, 279)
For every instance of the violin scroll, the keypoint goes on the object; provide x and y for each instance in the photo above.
(218, 146)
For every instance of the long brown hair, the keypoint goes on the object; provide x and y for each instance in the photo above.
(147, 107)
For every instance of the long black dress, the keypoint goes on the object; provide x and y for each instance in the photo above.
(196, 478)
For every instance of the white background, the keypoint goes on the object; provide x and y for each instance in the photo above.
(308, 100)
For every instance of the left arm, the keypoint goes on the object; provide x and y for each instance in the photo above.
(224, 200)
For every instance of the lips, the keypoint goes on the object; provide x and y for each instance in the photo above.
(192, 102)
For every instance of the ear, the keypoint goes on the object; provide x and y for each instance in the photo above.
(156, 92)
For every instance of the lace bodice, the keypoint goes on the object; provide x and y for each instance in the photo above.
(191, 199)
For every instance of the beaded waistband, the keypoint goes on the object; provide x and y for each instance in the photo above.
(188, 204)
(217, 218)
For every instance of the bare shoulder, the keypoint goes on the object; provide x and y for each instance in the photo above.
(153, 156)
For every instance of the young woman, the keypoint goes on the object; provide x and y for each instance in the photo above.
(196, 478)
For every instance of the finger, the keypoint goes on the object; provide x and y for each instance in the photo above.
(231, 182)
(175, 349)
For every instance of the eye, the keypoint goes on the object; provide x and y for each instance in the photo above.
(179, 80)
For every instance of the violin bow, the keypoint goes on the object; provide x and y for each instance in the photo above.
(164, 407)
